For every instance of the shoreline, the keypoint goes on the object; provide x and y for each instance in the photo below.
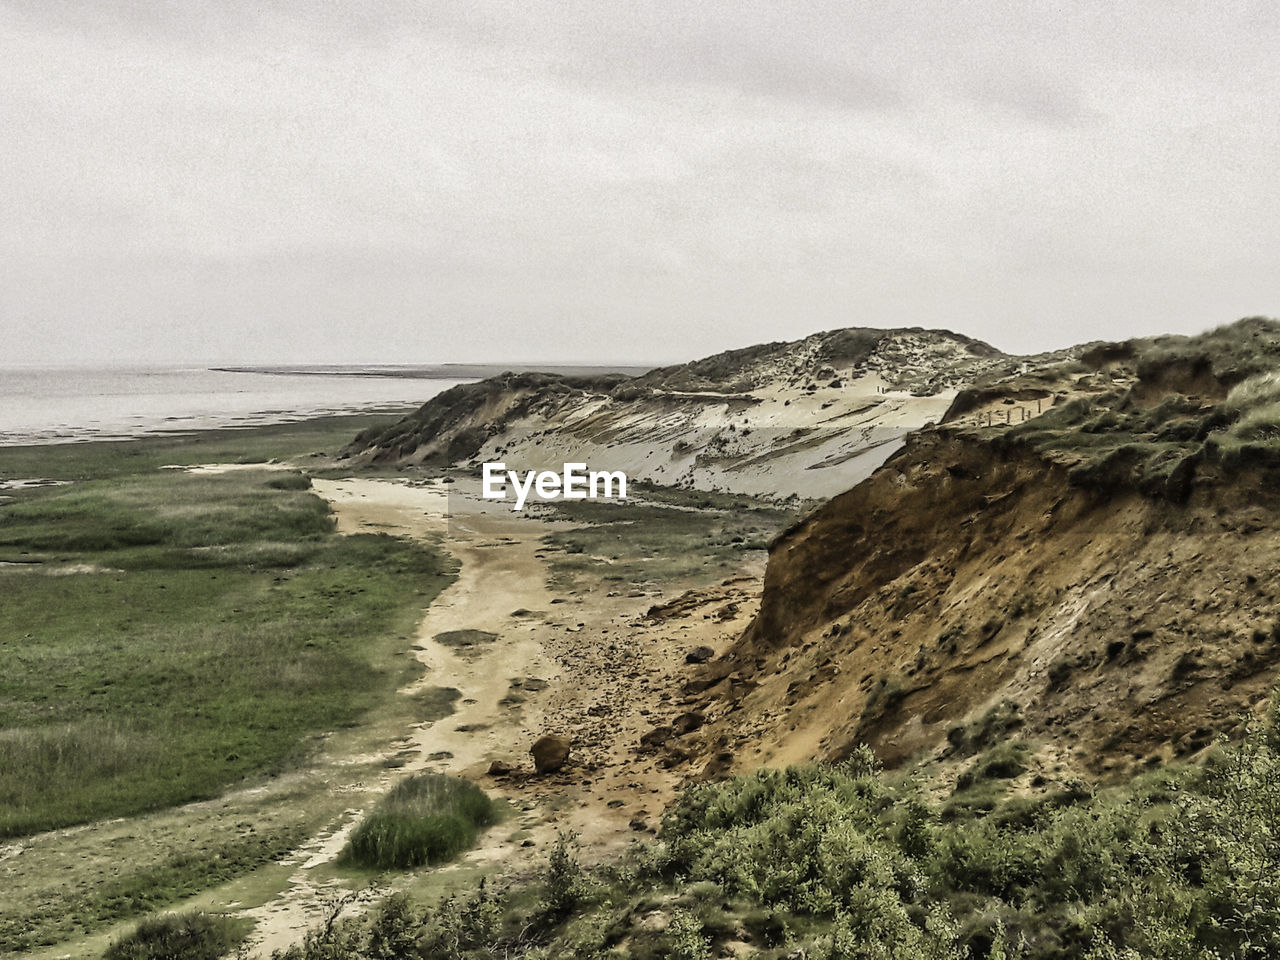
(439, 371)
(263, 419)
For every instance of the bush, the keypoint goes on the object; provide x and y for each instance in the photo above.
(1002, 762)
(180, 936)
(290, 481)
(425, 819)
(842, 862)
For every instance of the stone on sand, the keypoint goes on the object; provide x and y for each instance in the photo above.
(550, 753)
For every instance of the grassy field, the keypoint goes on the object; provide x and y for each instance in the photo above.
(314, 438)
(660, 536)
(167, 634)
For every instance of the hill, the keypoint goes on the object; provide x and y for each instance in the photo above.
(808, 418)
(1079, 553)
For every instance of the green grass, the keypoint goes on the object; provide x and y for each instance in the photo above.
(425, 819)
(665, 535)
(133, 890)
(317, 438)
(1181, 401)
(216, 626)
(194, 935)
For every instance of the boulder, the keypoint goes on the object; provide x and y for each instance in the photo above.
(699, 655)
(687, 723)
(550, 753)
(657, 737)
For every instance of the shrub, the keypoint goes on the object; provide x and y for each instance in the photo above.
(686, 939)
(180, 936)
(290, 481)
(1002, 762)
(425, 819)
(564, 884)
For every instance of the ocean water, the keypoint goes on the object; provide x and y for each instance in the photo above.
(57, 405)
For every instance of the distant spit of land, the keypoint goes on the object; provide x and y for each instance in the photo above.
(440, 371)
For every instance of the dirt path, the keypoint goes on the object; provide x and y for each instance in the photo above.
(524, 661)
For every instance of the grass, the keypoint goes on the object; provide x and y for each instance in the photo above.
(665, 535)
(435, 703)
(167, 634)
(425, 819)
(137, 888)
(194, 935)
(1166, 406)
(104, 459)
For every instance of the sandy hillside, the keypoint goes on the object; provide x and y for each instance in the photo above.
(809, 418)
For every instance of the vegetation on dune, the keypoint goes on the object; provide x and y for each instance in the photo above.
(847, 862)
(425, 819)
(168, 633)
(1154, 410)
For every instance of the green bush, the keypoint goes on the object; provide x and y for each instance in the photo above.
(1002, 762)
(425, 819)
(195, 935)
(845, 862)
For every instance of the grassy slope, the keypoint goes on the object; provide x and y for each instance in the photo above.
(846, 862)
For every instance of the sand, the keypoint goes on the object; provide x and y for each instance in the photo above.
(590, 666)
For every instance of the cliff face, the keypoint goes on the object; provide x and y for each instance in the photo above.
(1045, 569)
(808, 418)
(1123, 627)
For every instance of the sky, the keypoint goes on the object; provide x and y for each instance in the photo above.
(267, 181)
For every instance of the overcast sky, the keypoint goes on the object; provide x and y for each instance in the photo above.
(394, 181)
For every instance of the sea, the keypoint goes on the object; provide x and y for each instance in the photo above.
(58, 405)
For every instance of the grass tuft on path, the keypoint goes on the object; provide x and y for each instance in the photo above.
(425, 819)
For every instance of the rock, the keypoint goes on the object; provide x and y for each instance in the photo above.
(550, 753)
(687, 723)
(699, 655)
(656, 737)
(638, 824)
(499, 769)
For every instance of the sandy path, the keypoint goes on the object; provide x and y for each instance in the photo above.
(589, 666)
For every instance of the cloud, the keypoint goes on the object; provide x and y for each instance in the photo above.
(697, 173)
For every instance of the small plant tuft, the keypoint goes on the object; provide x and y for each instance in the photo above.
(425, 819)
(194, 935)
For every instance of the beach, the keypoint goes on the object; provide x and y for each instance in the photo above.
(569, 630)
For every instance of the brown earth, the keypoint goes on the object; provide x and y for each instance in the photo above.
(1126, 629)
